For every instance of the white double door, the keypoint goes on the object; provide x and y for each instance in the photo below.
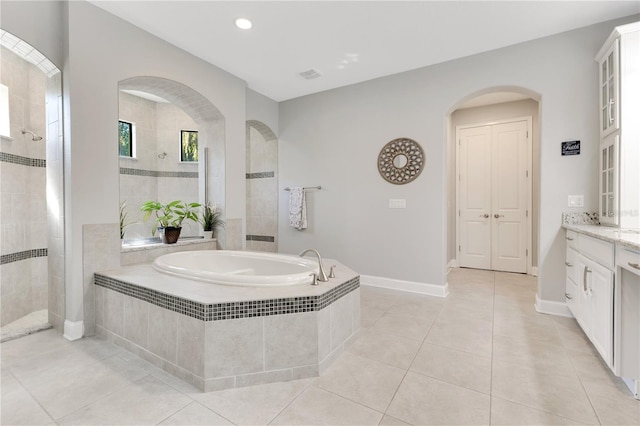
(493, 196)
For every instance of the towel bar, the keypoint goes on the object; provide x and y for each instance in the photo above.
(305, 188)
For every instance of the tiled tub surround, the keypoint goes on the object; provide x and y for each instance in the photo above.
(218, 337)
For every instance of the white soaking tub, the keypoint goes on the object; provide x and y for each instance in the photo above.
(238, 268)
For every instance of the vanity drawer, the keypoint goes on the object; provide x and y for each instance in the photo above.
(570, 264)
(628, 259)
(597, 250)
(572, 239)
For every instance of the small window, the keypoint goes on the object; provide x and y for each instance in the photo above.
(189, 146)
(4, 115)
(125, 138)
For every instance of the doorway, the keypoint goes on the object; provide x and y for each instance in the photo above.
(493, 184)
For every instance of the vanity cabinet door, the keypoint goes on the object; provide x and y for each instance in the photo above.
(600, 295)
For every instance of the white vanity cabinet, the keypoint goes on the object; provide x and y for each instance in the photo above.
(589, 289)
(619, 165)
(627, 318)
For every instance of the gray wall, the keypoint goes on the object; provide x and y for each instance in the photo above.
(333, 139)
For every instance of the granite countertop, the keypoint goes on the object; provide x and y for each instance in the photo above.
(627, 238)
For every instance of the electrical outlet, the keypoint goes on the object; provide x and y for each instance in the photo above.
(576, 201)
(400, 203)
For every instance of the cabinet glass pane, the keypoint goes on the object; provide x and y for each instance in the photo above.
(605, 118)
(611, 90)
(611, 65)
(605, 97)
(610, 181)
(603, 206)
(610, 208)
(611, 156)
(604, 182)
(604, 72)
(604, 159)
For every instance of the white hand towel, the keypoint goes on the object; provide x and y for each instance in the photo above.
(297, 208)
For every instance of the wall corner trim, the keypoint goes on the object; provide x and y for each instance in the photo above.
(408, 286)
(73, 330)
(552, 307)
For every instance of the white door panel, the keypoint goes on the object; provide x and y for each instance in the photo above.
(493, 196)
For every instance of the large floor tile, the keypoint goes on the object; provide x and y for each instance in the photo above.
(459, 368)
(316, 406)
(423, 307)
(421, 400)
(17, 406)
(196, 414)
(146, 402)
(369, 316)
(390, 349)
(560, 395)
(402, 325)
(463, 335)
(391, 421)
(368, 382)
(534, 354)
(253, 405)
(509, 413)
(63, 391)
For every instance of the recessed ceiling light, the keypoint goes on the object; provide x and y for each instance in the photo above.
(243, 23)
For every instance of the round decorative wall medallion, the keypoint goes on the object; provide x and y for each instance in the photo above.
(401, 161)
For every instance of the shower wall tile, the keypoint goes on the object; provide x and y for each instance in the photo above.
(233, 235)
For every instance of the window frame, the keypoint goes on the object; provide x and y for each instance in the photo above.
(132, 141)
(182, 152)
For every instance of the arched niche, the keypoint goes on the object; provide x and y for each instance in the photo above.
(490, 104)
(262, 187)
(211, 133)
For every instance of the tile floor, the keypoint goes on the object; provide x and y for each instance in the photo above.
(481, 356)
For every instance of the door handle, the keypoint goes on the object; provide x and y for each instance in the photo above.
(584, 278)
(486, 216)
(498, 215)
(611, 117)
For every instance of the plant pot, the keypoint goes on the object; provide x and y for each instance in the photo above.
(208, 235)
(170, 234)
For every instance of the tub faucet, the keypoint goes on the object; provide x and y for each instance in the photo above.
(322, 276)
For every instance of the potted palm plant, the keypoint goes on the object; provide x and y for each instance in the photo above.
(211, 219)
(169, 217)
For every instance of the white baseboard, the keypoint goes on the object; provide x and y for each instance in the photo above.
(73, 330)
(534, 271)
(552, 307)
(409, 286)
(453, 263)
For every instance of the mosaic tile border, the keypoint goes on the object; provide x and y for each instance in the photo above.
(23, 161)
(22, 255)
(157, 173)
(264, 238)
(260, 175)
(234, 310)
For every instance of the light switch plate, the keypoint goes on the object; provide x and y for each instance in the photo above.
(397, 203)
(576, 201)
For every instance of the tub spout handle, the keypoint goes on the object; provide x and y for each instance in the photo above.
(315, 278)
(331, 273)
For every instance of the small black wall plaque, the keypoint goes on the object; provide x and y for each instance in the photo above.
(571, 148)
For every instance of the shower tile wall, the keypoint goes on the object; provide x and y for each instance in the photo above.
(148, 177)
(262, 191)
(23, 207)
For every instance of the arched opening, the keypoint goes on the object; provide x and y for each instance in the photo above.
(158, 171)
(31, 189)
(262, 187)
(496, 106)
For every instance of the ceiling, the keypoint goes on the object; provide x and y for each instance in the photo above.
(348, 42)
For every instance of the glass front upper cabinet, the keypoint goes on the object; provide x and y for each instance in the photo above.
(609, 180)
(609, 91)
